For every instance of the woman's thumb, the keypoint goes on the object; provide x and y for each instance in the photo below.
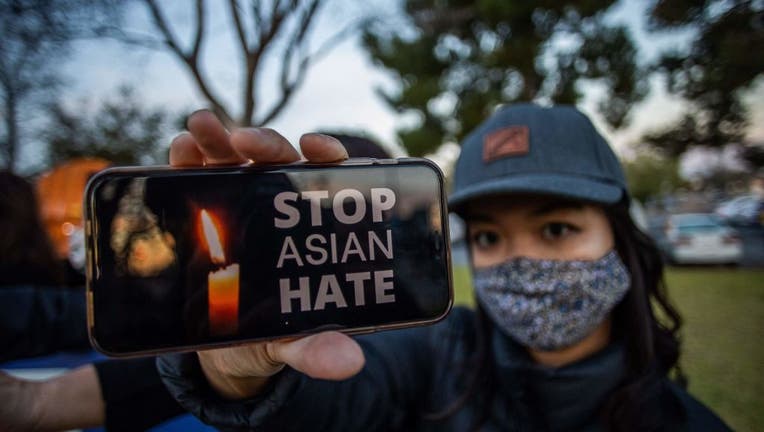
(328, 355)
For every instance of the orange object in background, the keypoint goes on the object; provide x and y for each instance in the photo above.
(60, 193)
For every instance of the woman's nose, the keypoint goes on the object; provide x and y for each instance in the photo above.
(520, 245)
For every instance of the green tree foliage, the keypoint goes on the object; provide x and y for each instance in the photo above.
(712, 74)
(651, 175)
(457, 60)
(122, 131)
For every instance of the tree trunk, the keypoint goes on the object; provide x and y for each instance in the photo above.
(12, 127)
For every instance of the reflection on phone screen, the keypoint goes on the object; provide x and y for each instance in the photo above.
(183, 260)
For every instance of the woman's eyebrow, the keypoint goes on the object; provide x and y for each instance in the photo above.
(552, 207)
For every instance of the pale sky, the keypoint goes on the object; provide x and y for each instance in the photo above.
(339, 92)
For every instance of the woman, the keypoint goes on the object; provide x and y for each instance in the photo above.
(27, 255)
(564, 336)
(38, 314)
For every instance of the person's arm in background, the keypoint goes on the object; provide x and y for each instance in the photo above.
(121, 395)
(38, 320)
(72, 400)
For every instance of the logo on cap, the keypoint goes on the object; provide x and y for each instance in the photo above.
(509, 141)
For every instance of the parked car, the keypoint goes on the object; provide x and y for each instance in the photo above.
(702, 238)
(742, 210)
(656, 229)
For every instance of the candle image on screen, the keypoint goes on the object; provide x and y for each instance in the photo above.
(222, 284)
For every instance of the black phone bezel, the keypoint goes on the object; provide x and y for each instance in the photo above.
(109, 173)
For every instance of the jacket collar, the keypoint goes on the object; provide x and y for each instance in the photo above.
(564, 398)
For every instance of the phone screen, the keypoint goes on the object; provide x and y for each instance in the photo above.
(189, 258)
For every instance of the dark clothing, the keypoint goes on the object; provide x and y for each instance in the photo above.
(413, 372)
(39, 320)
(133, 394)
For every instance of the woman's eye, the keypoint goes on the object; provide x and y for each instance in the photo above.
(485, 239)
(556, 230)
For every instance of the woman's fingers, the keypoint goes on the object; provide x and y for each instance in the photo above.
(210, 143)
(322, 148)
(212, 139)
(184, 151)
(328, 355)
(263, 145)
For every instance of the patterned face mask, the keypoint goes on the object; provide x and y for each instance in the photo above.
(547, 304)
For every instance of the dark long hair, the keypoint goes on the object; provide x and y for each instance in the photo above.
(26, 253)
(642, 401)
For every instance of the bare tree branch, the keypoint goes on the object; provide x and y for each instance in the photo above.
(275, 9)
(199, 29)
(161, 23)
(277, 19)
(192, 59)
(250, 65)
(296, 43)
(337, 38)
(307, 20)
(257, 17)
(129, 38)
(254, 57)
(289, 86)
(234, 7)
(279, 28)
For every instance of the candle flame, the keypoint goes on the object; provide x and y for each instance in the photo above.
(213, 238)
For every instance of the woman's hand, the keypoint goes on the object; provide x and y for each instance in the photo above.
(241, 372)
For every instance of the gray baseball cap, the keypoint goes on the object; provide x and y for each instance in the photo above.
(527, 148)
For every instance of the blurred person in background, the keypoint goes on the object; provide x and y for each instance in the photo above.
(39, 314)
(43, 311)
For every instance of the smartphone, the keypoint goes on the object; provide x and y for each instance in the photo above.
(183, 259)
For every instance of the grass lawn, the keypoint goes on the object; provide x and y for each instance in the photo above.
(723, 334)
(723, 337)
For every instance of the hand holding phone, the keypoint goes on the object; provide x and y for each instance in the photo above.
(239, 372)
(305, 238)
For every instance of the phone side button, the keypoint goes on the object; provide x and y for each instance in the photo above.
(358, 161)
(89, 265)
(90, 313)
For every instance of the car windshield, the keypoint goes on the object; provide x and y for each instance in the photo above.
(696, 223)
(693, 229)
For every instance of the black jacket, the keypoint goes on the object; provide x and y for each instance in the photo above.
(39, 320)
(415, 372)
